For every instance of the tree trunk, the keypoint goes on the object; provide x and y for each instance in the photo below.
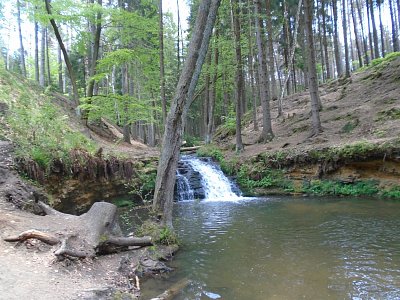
(95, 48)
(266, 134)
(254, 94)
(60, 71)
(365, 44)
(271, 65)
(325, 41)
(395, 38)
(21, 44)
(48, 59)
(213, 90)
(371, 43)
(291, 59)
(172, 139)
(36, 52)
(313, 82)
(374, 31)
(359, 52)
(162, 69)
(338, 59)
(346, 44)
(206, 102)
(94, 233)
(42, 73)
(235, 12)
(381, 27)
(65, 54)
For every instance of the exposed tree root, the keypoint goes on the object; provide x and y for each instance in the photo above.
(94, 233)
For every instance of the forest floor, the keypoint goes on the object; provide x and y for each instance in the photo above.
(365, 107)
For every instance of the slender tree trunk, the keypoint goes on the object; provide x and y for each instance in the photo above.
(60, 70)
(365, 44)
(206, 102)
(239, 74)
(42, 73)
(251, 66)
(213, 90)
(178, 49)
(291, 60)
(65, 54)
(271, 65)
(381, 27)
(371, 43)
(266, 134)
(48, 59)
(325, 41)
(346, 44)
(172, 139)
(162, 69)
(395, 38)
(359, 52)
(314, 94)
(21, 44)
(374, 31)
(336, 39)
(36, 52)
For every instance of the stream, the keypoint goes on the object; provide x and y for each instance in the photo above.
(279, 247)
(286, 248)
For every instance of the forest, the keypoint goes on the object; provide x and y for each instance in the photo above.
(103, 100)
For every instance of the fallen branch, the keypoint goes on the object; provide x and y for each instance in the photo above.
(34, 234)
(189, 149)
(173, 290)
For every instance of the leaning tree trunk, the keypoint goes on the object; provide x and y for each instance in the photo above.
(65, 54)
(313, 82)
(172, 139)
(94, 233)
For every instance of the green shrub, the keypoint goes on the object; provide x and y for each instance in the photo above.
(210, 151)
(159, 234)
(328, 187)
(393, 192)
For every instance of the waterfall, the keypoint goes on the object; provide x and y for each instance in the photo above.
(205, 179)
(183, 190)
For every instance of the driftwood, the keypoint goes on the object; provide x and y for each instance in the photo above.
(173, 290)
(94, 233)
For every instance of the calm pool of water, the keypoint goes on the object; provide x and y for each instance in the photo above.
(287, 248)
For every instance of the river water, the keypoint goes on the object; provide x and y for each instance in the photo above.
(286, 248)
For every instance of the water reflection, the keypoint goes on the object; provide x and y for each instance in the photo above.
(288, 248)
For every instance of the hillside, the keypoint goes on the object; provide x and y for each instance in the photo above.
(360, 117)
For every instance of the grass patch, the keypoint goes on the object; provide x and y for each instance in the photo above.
(159, 234)
(390, 114)
(41, 132)
(327, 187)
(350, 126)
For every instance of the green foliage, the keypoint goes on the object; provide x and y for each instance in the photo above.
(327, 187)
(350, 126)
(36, 126)
(191, 141)
(393, 192)
(143, 186)
(210, 151)
(388, 58)
(123, 202)
(159, 234)
(390, 114)
(254, 176)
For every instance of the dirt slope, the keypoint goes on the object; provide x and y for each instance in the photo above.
(365, 107)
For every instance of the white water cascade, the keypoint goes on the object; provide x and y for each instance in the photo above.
(217, 186)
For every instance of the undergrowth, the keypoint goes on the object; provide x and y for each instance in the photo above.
(41, 132)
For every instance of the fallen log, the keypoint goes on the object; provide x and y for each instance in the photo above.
(189, 149)
(94, 233)
(173, 290)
